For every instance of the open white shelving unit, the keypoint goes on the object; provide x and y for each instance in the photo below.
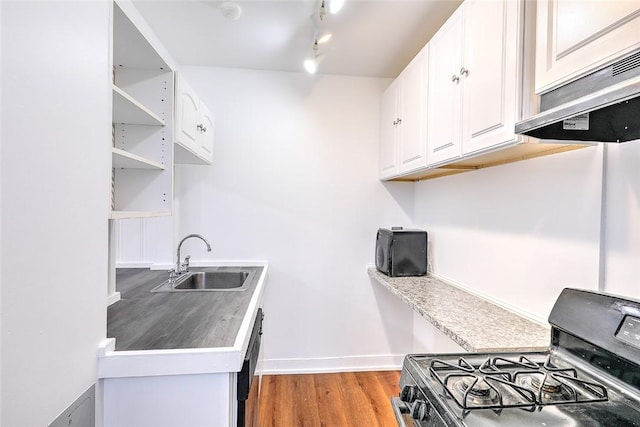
(142, 119)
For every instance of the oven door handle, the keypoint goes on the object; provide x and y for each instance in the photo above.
(246, 374)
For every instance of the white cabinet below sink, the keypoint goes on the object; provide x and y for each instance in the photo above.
(194, 126)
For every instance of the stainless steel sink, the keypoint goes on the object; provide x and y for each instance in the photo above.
(236, 280)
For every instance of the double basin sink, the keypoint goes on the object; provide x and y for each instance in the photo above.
(235, 280)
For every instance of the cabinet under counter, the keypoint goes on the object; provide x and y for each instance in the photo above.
(173, 357)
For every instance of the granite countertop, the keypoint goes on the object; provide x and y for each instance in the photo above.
(456, 312)
(178, 333)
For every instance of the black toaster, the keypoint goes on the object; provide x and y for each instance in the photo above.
(401, 252)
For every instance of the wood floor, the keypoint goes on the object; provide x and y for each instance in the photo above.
(352, 399)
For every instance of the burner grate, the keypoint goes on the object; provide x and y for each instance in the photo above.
(499, 383)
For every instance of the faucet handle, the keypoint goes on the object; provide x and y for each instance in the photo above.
(185, 265)
(172, 277)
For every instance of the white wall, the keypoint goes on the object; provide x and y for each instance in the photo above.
(295, 182)
(521, 232)
(622, 266)
(0, 213)
(55, 175)
(429, 339)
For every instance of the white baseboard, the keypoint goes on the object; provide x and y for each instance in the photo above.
(385, 362)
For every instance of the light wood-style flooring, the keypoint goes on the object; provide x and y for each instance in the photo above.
(351, 399)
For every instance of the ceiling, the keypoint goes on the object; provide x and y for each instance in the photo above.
(370, 38)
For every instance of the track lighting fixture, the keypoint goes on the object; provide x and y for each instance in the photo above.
(324, 38)
(320, 34)
(335, 6)
(322, 12)
(311, 64)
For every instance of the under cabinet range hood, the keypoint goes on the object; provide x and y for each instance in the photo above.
(601, 107)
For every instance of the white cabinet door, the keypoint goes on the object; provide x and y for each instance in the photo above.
(187, 115)
(444, 101)
(194, 127)
(575, 37)
(489, 73)
(412, 114)
(388, 125)
(206, 133)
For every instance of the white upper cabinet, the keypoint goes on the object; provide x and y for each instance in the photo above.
(576, 37)
(412, 125)
(474, 80)
(403, 121)
(445, 96)
(388, 132)
(194, 126)
(490, 74)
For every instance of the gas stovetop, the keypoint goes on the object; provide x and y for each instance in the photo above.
(589, 377)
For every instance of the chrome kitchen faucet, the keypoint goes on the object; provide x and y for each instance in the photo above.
(183, 267)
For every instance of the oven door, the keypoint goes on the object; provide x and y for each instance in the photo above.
(248, 387)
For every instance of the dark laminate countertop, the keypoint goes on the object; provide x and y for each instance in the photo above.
(143, 320)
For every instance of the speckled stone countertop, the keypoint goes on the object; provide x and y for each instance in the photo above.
(456, 312)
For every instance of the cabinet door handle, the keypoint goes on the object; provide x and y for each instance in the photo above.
(464, 72)
(395, 122)
(455, 78)
(399, 121)
(202, 128)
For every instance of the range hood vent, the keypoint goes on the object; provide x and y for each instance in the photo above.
(601, 107)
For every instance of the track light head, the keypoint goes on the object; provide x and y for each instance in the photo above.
(335, 6)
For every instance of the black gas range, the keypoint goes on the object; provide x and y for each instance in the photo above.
(589, 377)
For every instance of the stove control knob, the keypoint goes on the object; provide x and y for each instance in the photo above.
(409, 393)
(420, 410)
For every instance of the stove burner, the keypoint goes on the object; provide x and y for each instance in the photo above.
(499, 383)
(547, 389)
(476, 391)
(548, 385)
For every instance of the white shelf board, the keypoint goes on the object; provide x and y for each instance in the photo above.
(127, 110)
(125, 160)
(137, 214)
